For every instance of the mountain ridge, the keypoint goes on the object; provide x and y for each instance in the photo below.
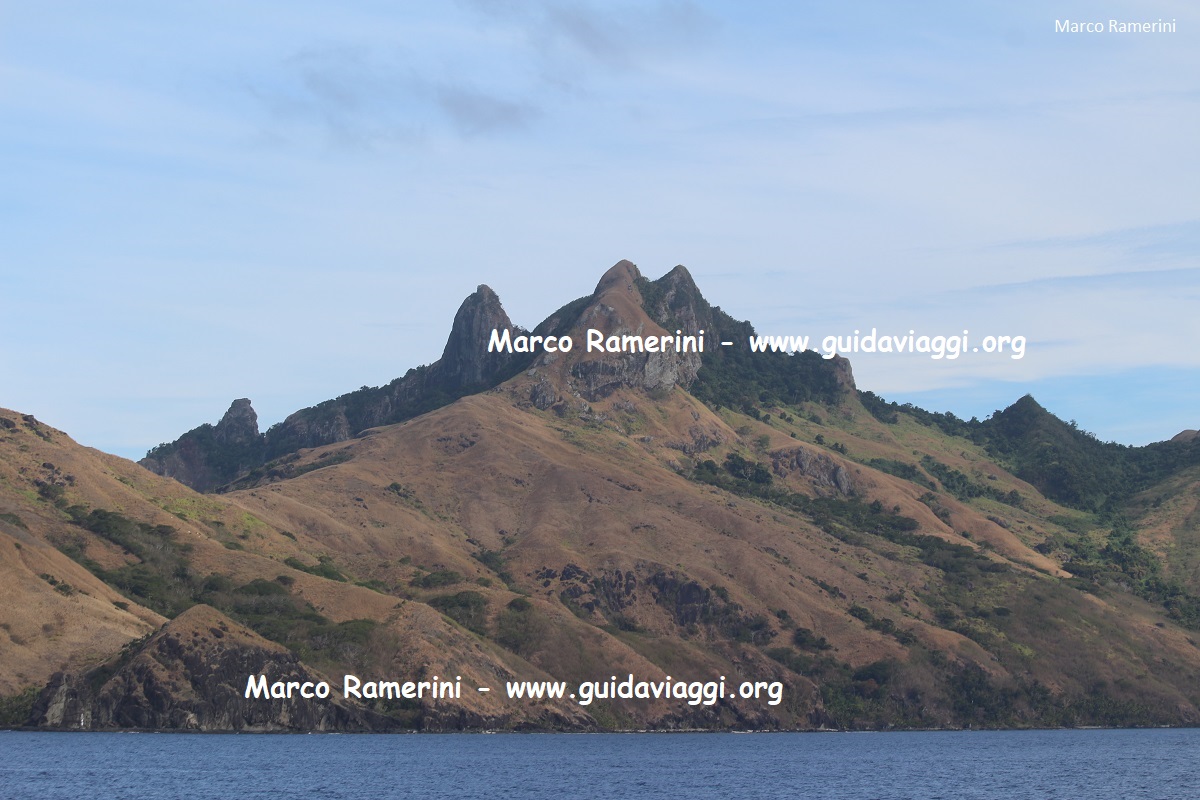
(209, 457)
(590, 515)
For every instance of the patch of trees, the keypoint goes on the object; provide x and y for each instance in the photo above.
(847, 519)
(735, 378)
(1067, 464)
(1121, 562)
(961, 485)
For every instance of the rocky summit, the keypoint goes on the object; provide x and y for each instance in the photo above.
(623, 533)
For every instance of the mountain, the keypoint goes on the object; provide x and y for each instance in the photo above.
(209, 456)
(100, 554)
(189, 676)
(585, 516)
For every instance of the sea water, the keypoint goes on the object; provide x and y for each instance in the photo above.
(1088, 764)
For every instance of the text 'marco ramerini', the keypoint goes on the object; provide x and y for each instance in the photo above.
(596, 341)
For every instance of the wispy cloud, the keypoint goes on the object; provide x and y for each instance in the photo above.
(612, 35)
(474, 112)
(525, 59)
(1179, 238)
(360, 95)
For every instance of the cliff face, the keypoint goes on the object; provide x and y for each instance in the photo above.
(623, 303)
(209, 457)
(617, 309)
(205, 458)
(465, 367)
(191, 675)
(881, 565)
(239, 426)
(465, 362)
(674, 301)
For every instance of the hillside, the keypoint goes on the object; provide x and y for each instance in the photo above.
(580, 516)
(98, 552)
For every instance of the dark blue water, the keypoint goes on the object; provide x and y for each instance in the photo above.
(1158, 764)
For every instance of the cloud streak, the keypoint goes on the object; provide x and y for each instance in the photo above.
(361, 96)
(475, 113)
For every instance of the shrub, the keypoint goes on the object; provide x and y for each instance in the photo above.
(468, 609)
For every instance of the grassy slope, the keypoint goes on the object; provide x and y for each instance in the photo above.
(601, 489)
(182, 548)
(890, 573)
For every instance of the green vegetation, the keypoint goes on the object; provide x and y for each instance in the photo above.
(164, 580)
(53, 493)
(880, 695)
(400, 491)
(883, 625)
(468, 609)
(1066, 464)
(909, 472)
(889, 413)
(495, 561)
(434, 580)
(13, 519)
(961, 486)
(61, 587)
(1119, 562)
(848, 518)
(324, 568)
(520, 627)
(853, 699)
(16, 709)
(1073, 466)
(691, 604)
(807, 640)
(754, 479)
(734, 377)
(270, 610)
(162, 577)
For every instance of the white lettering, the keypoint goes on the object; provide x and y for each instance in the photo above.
(504, 342)
(259, 688)
(1066, 26)
(500, 341)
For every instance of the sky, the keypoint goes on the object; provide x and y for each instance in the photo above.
(288, 201)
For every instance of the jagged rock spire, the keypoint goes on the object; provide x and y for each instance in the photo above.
(465, 360)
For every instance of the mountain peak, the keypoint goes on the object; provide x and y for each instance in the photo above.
(623, 274)
(679, 276)
(463, 361)
(619, 312)
(240, 423)
(674, 301)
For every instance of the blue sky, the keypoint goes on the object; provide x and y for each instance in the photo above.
(289, 201)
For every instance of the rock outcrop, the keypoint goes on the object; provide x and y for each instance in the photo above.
(624, 303)
(209, 457)
(617, 309)
(239, 426)
(674, 301)
(206, 457)
(191, 675)
(465, 361)
(815, 465)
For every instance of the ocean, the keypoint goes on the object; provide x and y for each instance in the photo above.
(1089, 764)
